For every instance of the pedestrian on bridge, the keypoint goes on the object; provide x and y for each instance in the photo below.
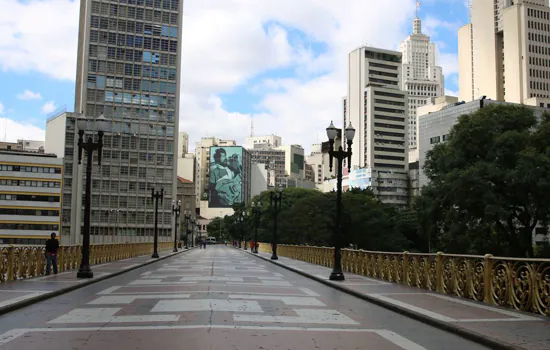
(52, 245)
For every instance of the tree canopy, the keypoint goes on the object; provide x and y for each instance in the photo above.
(489, 183)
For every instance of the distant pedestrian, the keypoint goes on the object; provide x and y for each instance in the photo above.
(200, 244)
(204, 243)
(52, 245)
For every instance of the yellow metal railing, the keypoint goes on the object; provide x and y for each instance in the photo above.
(522, 284)
(25, 261)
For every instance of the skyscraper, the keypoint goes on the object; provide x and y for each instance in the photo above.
(377, 108)
(128, 69)
(422, 78)
(504, 52)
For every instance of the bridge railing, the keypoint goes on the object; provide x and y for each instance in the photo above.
(522, 284)
(25, 261)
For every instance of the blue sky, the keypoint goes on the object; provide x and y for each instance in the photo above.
(297, 49)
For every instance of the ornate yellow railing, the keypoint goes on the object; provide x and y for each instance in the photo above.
(24, 261)
(522, 284)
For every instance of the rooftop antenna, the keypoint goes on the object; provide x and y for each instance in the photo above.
(417, 7)
(251, 127)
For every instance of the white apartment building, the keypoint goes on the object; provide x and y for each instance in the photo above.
(186, 161)
(422, 78)
(377, 108)
(30, 196)
(272, 141)
(504, 53)
(183, 144)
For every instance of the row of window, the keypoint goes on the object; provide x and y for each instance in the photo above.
(387, 149)
(136, 99)
(36, 227)
(133, 11)
(126, 68)
(29, 212)
(391, 166)
(385, 157)
(30, 169)
(141, 113)
(537, 13)
(537, 85)
(389, 110)
(102, 82)
(542, 50)
(385, 74)
(138, 42)
(130, 26)
(389, 126)
(389, 142)
(536, 73)
(537, 61)
(391, 134)
(387, 102)
(387, 94)
(385, 117)
(382, 81)
(29, 197)
(29, 183)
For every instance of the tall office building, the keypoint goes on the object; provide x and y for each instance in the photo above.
(377, 108)
(422, 78)
(128, 69)
(504, 52)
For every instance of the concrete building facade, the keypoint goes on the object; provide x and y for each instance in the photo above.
(272, 141)
(128, 69)
(378, 109)
(30, 196)
(503, 52)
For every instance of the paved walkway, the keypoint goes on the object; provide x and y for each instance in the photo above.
(16, 293)
(218, 298)
(518, 329)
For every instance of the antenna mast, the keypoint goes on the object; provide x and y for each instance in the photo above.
(251, 127)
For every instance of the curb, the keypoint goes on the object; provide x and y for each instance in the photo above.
(470, 335)
(54, 293)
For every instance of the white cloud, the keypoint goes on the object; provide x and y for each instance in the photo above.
(1, 108)
(11, 131)
(29, 95)
(449, 92)
(449, 63)
(40, 36)
(48, 107)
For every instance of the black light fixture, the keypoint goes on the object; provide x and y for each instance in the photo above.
(89, 146)
(159, 195)
(256, 211)
(176, 206)
(276, 197)
(340, 155)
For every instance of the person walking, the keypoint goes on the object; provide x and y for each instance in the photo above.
(52, 245)
(204, 243)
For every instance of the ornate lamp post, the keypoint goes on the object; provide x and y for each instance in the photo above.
(193, 227)
(340, 155)
(187, 217)
(256, 211)
(276, 198)
(176, 206)
(159, 195)
(89, 146)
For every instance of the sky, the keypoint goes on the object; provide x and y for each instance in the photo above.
(279, 64)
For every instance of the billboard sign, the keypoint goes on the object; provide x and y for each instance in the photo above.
(226, 172)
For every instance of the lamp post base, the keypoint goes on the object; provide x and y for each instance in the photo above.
(274, 257)
(255, 251)
(155, 255)
(84, 272)
(337, 276)
(175, 250)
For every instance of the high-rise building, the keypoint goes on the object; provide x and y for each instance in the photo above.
(128, 69)
(504, 52)
(377, 108)
(421, 77)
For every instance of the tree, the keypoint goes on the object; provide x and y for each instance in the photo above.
(489, 183)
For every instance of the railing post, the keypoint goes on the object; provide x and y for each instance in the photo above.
(487, 279)
(11, 263)
(438, 272)
(406, 268)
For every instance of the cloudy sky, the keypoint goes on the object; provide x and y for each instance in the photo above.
(279, 63)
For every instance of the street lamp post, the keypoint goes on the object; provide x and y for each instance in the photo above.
(241, 218)
(89, 146)
(193, 227)
(176, 206)
(159, 195)
(256, 211)
(276, 198)
(337, 273)
(187, 216)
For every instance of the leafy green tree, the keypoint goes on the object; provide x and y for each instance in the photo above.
(489, 183)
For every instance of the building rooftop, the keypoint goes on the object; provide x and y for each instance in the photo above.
(29, 153)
